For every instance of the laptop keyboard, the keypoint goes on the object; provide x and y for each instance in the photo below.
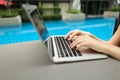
(64, 49)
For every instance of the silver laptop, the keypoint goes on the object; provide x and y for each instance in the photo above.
(58, 47)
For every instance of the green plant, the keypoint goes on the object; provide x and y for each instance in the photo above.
(114, 9)
(73, 11)
(5, 14)
(56, 10)
(52, 17)
(24, 16)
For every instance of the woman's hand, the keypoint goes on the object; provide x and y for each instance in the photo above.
(72, 34)
(75, 33)
(84, 39)
(88, 41)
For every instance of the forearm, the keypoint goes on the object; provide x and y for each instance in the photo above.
(115, 40)
(112, 50)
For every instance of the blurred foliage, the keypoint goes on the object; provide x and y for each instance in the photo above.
(52, 17)
(13, 12)
(114, 9)
(73, 11)
(8, 13)
(55, 13)
(56, 10)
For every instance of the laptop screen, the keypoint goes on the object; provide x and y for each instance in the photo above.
(39, 24)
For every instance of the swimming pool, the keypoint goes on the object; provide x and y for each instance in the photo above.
(101, 27)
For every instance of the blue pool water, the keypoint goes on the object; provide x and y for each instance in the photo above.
(101, 27)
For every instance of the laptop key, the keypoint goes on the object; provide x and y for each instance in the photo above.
(75, 52)
(63, 47)
(79, 53)
(67, 47)
(60, 47)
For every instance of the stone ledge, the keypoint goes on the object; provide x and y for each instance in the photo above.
(79, 16)
(110, 14)
(11, 21)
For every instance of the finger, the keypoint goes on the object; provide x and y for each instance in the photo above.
(77, 33)
(82, 44)
(68, 34)
(75, 38)
(76, 42)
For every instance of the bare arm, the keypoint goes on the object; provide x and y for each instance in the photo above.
(97, 45)
(115, 40)
(112, 50)
(111, 47)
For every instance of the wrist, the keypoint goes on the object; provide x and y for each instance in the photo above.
(107, 48)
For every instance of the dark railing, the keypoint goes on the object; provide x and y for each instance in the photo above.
(117, 23)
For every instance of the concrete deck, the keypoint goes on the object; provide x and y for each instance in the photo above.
(30, 61)
(22, 54)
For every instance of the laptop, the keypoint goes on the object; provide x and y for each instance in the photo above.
(58, 48)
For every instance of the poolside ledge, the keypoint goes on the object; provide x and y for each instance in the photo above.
(110, 14)
(10, 21)
(67, 16)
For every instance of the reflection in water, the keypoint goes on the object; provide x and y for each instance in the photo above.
(10, 28)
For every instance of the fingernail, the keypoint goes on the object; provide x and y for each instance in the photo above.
(71, 46)
(76, 48)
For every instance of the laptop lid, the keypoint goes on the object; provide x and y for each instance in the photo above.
(37, 21)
